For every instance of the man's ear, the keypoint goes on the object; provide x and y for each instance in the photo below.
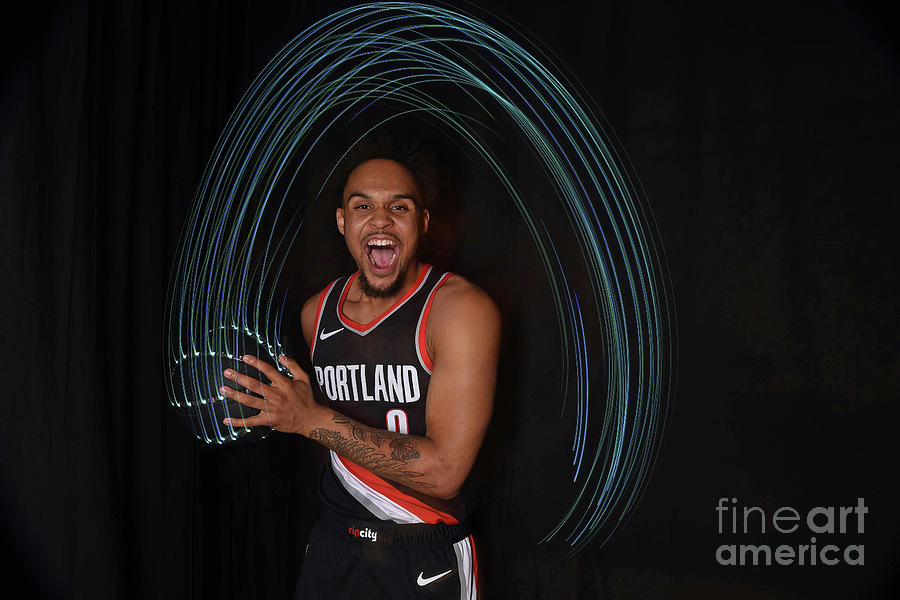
(340, 219)
(426, 219)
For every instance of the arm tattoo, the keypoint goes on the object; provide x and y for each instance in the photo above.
(362, 447)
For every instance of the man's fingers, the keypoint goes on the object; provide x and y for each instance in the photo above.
(245, 380)
(265, 368)
(263, 418)
(245, 399)
(294, 367)
(255, 421)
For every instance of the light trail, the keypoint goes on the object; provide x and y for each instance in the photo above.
(222, 300)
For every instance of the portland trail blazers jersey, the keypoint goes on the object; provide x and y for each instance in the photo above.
(377, 373)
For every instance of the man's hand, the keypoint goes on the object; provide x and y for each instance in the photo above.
(286, 404)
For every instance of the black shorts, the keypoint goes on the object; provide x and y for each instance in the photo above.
(353, 559)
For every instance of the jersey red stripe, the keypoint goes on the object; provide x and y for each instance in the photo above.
(423, 350)
(428, 514)
(474, 563)
(319, 305)
(366, 326)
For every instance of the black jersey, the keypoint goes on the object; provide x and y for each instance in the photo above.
(377, 373)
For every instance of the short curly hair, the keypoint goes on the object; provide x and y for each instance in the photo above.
(406, 152)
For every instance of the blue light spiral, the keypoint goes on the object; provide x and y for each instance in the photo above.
(616, 319)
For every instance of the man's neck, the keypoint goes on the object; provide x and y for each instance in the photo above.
(371, 305)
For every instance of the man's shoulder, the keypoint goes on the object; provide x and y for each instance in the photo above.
(309, 307)
(308, 312)
(458, 299)
(461, 288)
(463, 321)
(313, 301)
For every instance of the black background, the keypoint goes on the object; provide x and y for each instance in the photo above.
(765, 136)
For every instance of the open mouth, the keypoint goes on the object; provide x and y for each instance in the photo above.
(382, 253)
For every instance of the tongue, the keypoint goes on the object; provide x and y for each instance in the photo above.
(382, 257)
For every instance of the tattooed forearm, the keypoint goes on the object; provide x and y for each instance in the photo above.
(402, 447)
(403, 450)
(359, 431)
(356, 449)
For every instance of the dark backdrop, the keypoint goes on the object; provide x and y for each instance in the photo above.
(765, 136)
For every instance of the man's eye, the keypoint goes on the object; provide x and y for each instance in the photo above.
(401, 207)
(361, 207)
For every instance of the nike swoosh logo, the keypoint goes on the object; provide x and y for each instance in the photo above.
(422, 581)
(325, 336)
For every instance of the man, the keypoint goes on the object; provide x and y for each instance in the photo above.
(405, 362)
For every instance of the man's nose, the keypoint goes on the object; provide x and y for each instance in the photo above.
(381, 217)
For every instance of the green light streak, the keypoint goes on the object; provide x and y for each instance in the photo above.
(222, 298)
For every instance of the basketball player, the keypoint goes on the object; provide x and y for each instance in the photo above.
(405, 362)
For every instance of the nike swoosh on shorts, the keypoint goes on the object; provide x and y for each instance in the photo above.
(423, 581)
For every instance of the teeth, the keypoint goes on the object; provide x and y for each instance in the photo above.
(381, 243)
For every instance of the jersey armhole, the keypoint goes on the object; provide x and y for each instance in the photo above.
(421, 347)
(323, 295)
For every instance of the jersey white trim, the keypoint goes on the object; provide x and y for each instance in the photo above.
(465, 567)
(428, 301)
(378, 504)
